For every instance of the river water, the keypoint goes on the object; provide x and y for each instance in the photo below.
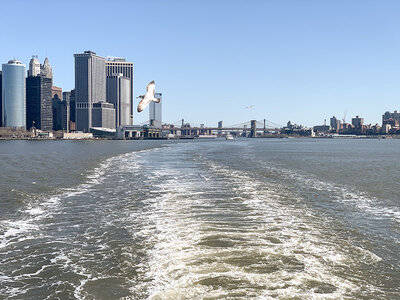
(242, 219)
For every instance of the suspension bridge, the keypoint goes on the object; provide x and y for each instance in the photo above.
(190, 129)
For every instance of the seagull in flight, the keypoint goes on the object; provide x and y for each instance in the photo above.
(249, 107)
(148, 97)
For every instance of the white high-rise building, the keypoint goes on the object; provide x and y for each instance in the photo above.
(46, 70)
(34, 67)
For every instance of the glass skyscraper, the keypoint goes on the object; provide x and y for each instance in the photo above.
(13, 94)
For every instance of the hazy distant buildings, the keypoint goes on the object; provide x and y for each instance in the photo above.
(391, 118)
(13, 94)
(90, 87)
(118, 65)
(119, 94)
(357, 122)
(155, 111)
(38, 102)
(335, 124)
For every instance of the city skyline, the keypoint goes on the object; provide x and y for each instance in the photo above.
(300, 61)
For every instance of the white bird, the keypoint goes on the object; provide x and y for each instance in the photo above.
(148, 97)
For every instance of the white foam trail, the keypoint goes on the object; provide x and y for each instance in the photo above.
(346, 195)
(182, 265)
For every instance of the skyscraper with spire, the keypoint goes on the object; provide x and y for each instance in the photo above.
(34, 67)
(46, 70)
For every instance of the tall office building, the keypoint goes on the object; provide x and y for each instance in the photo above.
(119, 94)
(72, 111)
(13, 94)
(66, 111)
(56, 98)
(34, 66)
(39, 103)
(117, 65)
(155, 111)
(90, 87)
(46, 70)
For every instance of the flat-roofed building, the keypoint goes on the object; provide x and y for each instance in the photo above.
(119, 94)
(90, 87)
(118, 65)
(39, 103)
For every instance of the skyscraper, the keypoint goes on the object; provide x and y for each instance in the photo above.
(34, 66)
(90, 86)
(118, 65)
(119, 94)
(13, 94)
(46, 70)
(155, 111)
(38, 103)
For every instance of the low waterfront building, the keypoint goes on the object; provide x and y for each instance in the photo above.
(103, 115)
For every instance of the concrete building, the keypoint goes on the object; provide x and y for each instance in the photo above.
(34, 67)
(56, 92)
(72, 111)
(391, 118)
(155, 112)
(119, 94)
(103, 115)
(335, 124)
(13, 95)
(39, 103)
(357, 122)
(56, 98)
(90, 87)
(46, 70)
(66, 112)
(118, 65)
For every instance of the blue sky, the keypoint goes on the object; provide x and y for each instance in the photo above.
(298, 60)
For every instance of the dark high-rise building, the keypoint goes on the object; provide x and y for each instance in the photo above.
(118, 65)
(38, 103)
(66, 111)
(56, 93)
(119, 94)
(72, 111)
(90, 86)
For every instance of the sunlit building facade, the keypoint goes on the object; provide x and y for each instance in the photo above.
(13, 95)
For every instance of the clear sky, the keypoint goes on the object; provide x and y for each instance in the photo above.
(298, 60)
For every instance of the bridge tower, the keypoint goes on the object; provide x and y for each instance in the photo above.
(253, 131)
